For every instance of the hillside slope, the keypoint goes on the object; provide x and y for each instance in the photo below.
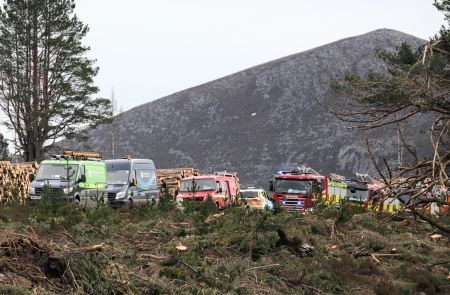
(261, 119)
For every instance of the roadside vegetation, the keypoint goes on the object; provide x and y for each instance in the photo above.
(59, 248)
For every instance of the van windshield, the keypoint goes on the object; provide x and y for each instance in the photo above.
(118, 176)
(190, 185)
(57, 172)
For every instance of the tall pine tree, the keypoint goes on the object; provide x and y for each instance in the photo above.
(46, 80)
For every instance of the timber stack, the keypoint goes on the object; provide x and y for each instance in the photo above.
(15, 179)
(171, 178)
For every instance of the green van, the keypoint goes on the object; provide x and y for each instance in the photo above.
(80, 179)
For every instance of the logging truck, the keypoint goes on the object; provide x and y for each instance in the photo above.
(75, 176)
(131, 182)
(222, 187)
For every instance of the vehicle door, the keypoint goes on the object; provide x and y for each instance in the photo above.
(95, 181)
(145, 177)
(268, 202)
(226, 191)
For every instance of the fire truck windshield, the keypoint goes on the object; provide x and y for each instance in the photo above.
(293, 186)
(190, 185)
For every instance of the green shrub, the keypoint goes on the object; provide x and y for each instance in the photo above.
(325, 281)
(56, 210)
(102, 215)
(166, 202)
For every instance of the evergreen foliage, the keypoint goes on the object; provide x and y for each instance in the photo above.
(4, 151)
(417, 84)
(46, 80)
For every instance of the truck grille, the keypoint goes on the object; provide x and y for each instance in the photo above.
(293, 203)
(111, 196)
(51, 190)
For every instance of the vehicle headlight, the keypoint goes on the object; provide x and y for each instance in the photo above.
(67, 190)
(31, 191)
(120, 195)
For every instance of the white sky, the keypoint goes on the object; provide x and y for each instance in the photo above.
(147, 49)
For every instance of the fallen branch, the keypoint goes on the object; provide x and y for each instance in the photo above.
(263, 266)
(188, 266)
(145, 255)
(72, 238)
(376, 259)
(93, 248)
(423, 243)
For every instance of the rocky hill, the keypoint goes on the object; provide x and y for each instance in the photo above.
(261, 119)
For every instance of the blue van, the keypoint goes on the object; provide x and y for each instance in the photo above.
(131, 182)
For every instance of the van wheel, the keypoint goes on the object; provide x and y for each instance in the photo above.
(77, 200)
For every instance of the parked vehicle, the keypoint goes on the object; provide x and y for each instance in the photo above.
(298, 189)
(222, 187)
(336, 189)
(76, 176)
(255, 198)
(131, 182)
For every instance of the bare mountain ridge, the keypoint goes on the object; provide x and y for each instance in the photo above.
(262, 119)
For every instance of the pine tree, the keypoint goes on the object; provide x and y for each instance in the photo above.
(418, 82)
(4, 151)
(46, 80)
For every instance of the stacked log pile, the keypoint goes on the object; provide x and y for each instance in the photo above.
(172, 178)
(14, 179)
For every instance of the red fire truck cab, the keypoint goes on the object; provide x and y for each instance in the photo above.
(222, 187)
(298, 189)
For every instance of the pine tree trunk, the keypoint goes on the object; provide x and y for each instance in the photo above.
(35, 113)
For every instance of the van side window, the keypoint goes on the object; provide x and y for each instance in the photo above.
(83, 170)
(145, 175)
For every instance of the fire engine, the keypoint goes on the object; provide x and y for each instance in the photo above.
(299, 188)
(222, 187)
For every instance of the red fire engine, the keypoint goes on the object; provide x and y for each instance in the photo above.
(299, 188)
(222, 187)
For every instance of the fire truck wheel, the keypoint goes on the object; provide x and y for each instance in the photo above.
(218, 205)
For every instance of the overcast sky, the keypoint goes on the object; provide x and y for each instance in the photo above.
(147, 49)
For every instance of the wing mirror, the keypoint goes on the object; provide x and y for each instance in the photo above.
(31, 177)
(83, 178)
(133, 182)
(271, 185)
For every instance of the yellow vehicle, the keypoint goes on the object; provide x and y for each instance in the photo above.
(255, 198)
